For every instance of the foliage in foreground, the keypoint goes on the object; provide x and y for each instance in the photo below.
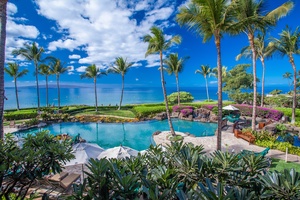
(21, 165)
(182, 171)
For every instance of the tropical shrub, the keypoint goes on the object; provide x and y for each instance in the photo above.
(32, 122)
(243, 97)
(185, 97)
(262, 112)
(145, 111)
(186, 112)
(182, 171)
(20, 115)
(280, 101)
(288, 112)
(22, 165)
(178, 108)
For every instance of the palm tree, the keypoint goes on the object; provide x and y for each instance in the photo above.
(57, 68)
(287, 75)
(157, 43)
(45, 71)
(3, 17)
(263, 51)
(209, 18)
(288, 45)
(214, 72)
(175, 66)
(121, 67)
(32, 53)
(13, 70)
(204, 71)
(251, 17)
(93, 72)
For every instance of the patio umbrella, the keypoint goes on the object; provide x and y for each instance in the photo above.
(118, 152)
(83, 152)
(230, 107)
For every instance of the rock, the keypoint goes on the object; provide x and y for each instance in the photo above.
(161, 116)
(156, 132)
(175, 114)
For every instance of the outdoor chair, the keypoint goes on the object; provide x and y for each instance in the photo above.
(12, 124)
(262, 153)
(58, 177)
(67, 182)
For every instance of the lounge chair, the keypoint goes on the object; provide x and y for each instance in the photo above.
(58, 177)
(12, 124)
(262, 153)
(224, 123)
(233, 118)
(69, 180)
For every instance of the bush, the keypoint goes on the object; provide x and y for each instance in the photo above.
(288, 112)
(262, 112)
(20, 115)
(145, 111)
(185, 97)
(280, 101)
(177, 108)
(32, 122)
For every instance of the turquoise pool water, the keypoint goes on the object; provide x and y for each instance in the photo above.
(135, 135)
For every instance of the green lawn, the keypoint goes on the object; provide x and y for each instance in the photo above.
(109, 111)
(280, 165)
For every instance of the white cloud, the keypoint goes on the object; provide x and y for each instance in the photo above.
(136, 79)
(81, 69)
(11, 8)
(70, 73)
(74, 56)
(104, 29)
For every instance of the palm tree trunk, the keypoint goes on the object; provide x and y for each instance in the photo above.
(262, 82)
(295, 89)
(178, 92)
(219, 64)
(206, 89)
(95, 90)
(16, 91)
(47, 98)
(3, 6)
(251, 40)
(58, 91)
(37, 83)
(165, 94)
(121, 92)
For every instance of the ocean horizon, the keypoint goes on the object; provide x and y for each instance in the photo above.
(107, 94)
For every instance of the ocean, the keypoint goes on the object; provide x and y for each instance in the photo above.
(107, 94)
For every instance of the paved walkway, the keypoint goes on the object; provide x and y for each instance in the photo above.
(229, 143)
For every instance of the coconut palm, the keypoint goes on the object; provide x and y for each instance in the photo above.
(157, 43)
(45, 71)
(209, 18)
(214, 72)
(93, 72)
(205, 71)
(3, 17)
(288, 45)
(263, 51)
(32, 53)
(14, 71)
(250, 17)
(121, 67)
(175, 66)
(57, 68)
(287, 75)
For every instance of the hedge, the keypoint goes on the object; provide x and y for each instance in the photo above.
(288, 112)
(19, 115)
(144, 111)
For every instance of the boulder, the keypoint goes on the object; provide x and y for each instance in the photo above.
(161, 116)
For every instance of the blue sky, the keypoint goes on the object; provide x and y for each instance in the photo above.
(85, 32)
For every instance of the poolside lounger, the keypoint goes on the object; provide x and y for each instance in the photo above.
(58, 177)
(69, 180)
(12, 124)
(262, 153)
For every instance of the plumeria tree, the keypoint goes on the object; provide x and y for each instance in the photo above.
(289, 45)
(175, 65)
(14, 71)
(157, 43)
(250, 17)
(93, 72)
(121, 67)
(205, 71)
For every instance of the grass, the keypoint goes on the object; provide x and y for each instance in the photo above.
(280, 165)
(109, 111)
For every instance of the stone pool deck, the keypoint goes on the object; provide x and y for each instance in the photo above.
(229, 143)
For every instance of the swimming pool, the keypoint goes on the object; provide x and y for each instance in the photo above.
(135, 135)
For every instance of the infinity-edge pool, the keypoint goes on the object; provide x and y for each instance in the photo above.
(136, 135)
